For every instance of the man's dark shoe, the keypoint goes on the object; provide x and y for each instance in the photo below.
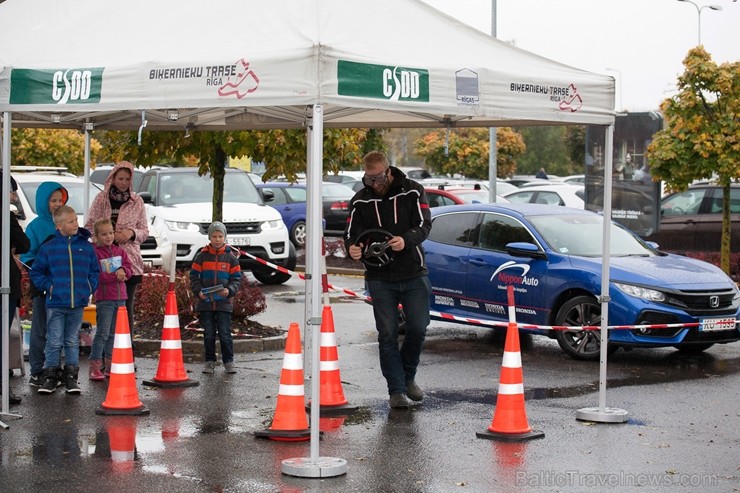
(398, 401)
(413, 391)
(36, 380)
(12, 399)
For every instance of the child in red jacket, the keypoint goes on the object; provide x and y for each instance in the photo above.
(215, 278)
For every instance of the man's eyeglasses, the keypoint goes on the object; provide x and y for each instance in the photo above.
(378, 179)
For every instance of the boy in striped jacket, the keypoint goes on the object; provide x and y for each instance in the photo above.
(66, 269)
(215, 278)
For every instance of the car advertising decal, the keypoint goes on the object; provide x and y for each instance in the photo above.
(519, 281)
(392, 83)
(56, 86)
(236, 79)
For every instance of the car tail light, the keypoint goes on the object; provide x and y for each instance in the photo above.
(341, 205)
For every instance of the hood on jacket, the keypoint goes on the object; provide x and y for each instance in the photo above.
(113, 171)
(43, 193)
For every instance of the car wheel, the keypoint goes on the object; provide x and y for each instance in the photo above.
(268, 275)
(694, 348)
(298, 234)
(580, 344)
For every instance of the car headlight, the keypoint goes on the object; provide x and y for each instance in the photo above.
(182, 226)
(640, 292)
(271, 225)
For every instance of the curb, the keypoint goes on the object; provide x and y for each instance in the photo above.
(195, 348)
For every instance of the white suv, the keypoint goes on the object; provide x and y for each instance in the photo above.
(156, 250)
(180, 201)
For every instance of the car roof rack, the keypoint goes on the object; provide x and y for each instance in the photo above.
(31, 169)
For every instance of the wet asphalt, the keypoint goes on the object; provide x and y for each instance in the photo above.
(682, 433)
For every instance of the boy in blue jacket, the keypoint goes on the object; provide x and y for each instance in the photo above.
(66, 269)
(215, 278)
(50, 196)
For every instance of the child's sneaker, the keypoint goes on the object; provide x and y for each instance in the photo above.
(209, 367)
(229, 367)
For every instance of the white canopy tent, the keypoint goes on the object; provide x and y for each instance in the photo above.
(247, 64)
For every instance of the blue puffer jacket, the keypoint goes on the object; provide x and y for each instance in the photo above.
(67, 269)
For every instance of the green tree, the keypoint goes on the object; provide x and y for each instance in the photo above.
(701, 138)
(51, 147)
(468, 151)
(283, 151)
(546, 148)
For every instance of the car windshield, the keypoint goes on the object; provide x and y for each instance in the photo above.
(75, 192)
(581, 235)
(473, 196)
(336, 191)
(188, 188)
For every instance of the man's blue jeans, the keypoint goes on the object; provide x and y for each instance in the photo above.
(217, 322)
(37, 343)
(63, 329)
(105, 328)
(399, 364)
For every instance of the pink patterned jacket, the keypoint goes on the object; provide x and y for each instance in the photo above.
(131, 216)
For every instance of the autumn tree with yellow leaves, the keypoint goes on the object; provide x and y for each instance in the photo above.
(467, 151)
(701, 138)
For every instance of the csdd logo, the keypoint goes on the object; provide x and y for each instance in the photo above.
(71, 85)
(400, 84)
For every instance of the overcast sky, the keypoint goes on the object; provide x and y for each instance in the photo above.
(645, 40)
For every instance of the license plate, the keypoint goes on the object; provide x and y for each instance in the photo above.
(240, 240)
(715, 324)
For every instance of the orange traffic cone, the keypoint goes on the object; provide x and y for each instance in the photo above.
(290, 424)
(122, 396)
(510, 417)
(331, 398)
(171, 369)
(122, 436)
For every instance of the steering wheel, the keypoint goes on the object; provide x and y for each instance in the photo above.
(677, 211)
(375, 251)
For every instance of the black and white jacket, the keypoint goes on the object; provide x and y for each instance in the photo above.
(403, 211)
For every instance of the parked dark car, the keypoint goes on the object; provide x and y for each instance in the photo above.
(691, 221)
(290, 200)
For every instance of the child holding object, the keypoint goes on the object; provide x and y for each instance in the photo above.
(215, 278)
(67, 270)
(115, 269)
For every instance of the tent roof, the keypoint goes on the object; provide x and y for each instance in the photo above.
(241, 64)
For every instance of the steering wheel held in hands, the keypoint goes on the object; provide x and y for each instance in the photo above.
(375, 250)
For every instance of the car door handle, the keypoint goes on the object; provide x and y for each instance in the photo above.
(478, 262)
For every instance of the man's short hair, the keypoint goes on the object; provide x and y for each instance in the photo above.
(61, 212)
(376, 157)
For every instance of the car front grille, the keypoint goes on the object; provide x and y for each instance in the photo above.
(704, 303)
(250, 228)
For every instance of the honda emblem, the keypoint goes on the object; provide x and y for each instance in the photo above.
(713, 301)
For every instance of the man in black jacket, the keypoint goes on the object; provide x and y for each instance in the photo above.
(395, 269)
(19, 243)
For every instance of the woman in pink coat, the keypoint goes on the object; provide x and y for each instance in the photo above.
(126, 210)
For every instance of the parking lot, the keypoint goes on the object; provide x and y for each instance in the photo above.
(682, 433)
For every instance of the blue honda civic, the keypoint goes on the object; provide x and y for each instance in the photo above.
(552, 258)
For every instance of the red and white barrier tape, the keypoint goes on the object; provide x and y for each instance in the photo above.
(491, 323)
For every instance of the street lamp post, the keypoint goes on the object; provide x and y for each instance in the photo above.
(698, 11)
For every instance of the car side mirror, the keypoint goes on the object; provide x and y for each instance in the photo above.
(267, 195)
(524, 249)
(146, 197)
